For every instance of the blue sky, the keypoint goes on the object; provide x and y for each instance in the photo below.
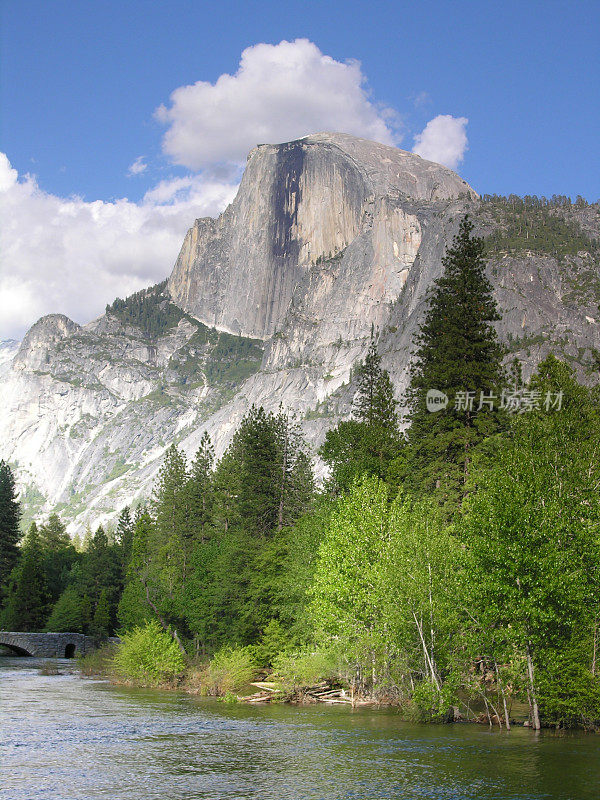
(80, 83)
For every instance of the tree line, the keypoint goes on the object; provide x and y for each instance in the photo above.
(452, 568)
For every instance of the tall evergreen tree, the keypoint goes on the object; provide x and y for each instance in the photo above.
(374, 403)
(26, 606)
(368, 443)
(293, 471)
(124, 535)
(459, 354)
(67, 614)
(200, 488)
(256, 448)
(101, 621)
(59, 556)
(53, 534)
(10, 515)
(173, 531)
(100, 571)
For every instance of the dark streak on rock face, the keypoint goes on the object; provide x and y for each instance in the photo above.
(286, 199)
(285, 247)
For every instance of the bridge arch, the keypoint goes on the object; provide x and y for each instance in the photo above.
(70, 650)
(48, 645)
(19, 646)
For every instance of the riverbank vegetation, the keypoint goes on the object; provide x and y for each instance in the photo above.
(453, 571)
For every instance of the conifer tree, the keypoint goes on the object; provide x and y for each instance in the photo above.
(368, 443)
(256, 448)
(124, 535)
(100, 570)
(200, 488)
(10, 515)
(374, 403)
(67, 614)
(459, 354)
(172, 529)
(59, 556)
(53, 534)
(101, 623)
(293, 470)
(26, 606)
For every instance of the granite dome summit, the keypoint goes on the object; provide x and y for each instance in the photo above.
(298, 204)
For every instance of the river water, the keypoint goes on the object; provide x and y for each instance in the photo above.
(64, 738)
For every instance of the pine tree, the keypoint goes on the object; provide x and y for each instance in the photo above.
(101, 624)
(368, 443)
(374, 403)
(100, 569)
(53, 534)
(293, 471)
(124, 535)
(173, 533)
(10, 515)
(26, 606)
(59, 556)
(200, 488)
(67, 614)
(257, 450)
(458, 353)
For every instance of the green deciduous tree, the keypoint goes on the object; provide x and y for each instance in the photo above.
(533, 528)
(349, 596)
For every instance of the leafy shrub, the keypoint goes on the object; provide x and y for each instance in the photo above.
(148, 656)
(568, 693)
(305, 669)
(99, 661)
(230, 669)
(428, 704)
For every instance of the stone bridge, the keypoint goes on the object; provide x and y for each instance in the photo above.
(47, 645)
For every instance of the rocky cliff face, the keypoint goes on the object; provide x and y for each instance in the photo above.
(274, 302)
(301, 205)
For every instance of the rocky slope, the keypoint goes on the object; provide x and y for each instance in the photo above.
(274, 302)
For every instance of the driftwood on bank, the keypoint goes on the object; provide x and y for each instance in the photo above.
(323, 692)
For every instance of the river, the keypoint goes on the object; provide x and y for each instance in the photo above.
(67, 738)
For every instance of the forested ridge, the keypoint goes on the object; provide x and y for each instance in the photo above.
(452, 569)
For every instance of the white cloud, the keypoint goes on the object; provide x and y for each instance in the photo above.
(138, 166)
(444, 140)
(73, 257)
(279, 93)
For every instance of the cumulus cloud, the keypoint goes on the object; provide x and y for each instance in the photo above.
(138, 166)
(72, 256)
(444, 140)
(279, 93)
